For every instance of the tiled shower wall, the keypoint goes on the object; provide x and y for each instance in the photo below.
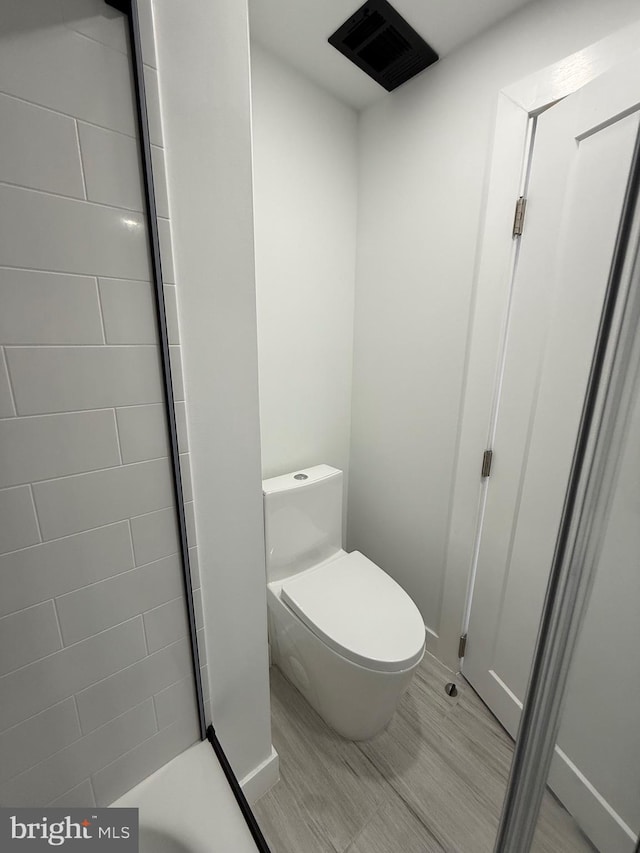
(96, 689)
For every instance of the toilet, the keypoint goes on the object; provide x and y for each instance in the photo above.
(342, 631)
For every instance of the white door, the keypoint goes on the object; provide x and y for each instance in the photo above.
(582, 154)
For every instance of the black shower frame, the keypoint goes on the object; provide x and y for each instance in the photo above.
(130, 9)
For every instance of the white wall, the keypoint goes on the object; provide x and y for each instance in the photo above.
(422, 171)
(305, 173)
(203, 62)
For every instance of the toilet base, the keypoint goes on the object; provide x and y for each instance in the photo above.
(354, 701)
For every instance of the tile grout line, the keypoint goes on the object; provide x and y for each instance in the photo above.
(87, 586)
(99, 345)
(70, 646)
(133, 547)
(80, 274)
(35, 509)
(12, 393)
(90, 473)
(62, 749)
(101, 311)
(83, 474)
(87, 201)
(75, 705)
(93, 40)
(82, 173)
(90, 686)
(59, 627)
(88, 530)
(70, 116)
(118, 438)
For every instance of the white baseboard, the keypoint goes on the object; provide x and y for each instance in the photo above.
(433, 641)
(597, 819)
(263, 777)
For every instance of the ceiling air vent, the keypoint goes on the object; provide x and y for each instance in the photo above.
(380, 42)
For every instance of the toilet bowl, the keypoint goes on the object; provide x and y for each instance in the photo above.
(342, 631)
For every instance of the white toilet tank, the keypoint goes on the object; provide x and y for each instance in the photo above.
(302, 519)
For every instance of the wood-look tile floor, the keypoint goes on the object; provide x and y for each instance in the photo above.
(433, 781)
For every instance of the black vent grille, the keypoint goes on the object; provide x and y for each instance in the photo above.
(380, 42)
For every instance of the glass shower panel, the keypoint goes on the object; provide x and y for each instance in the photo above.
(96, 684)
(596, 767)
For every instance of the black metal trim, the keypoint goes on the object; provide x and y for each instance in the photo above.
(130, 8)
(245, 808)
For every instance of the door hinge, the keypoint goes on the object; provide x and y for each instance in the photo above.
(462, 646)
(518, 219)
(487, 458)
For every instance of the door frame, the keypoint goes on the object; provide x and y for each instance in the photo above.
(517, 106)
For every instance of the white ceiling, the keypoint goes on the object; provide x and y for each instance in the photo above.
(297, 32)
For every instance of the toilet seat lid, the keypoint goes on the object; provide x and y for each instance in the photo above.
(360, 612)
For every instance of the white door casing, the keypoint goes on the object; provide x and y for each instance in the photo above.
(516, 105)
(579, 171)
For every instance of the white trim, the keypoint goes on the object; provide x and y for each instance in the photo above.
(433, 641)
(598, 819)
(516, 104)
(263, 777)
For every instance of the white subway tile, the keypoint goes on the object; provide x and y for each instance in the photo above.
(80, 795)
(37, 686)
(111, 167)
(174, 702)
(48, 308)
(19, 527)
(155, 535)
(129, 311)
(171, 311)
(97, 21)
(7, 409)
(58, 774)
(120, 776)
(84, 501)
(143, 432)
(67, 379)
(160, 181)
(106, 699)
(44, 571)
(94, 608)
(152, 96)
(47, 232)
(37, 738)
(166, 624)
(185, 471)
(27, 636)
(166, 251)
(50, 161)
(57, 68)
(41, 447)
